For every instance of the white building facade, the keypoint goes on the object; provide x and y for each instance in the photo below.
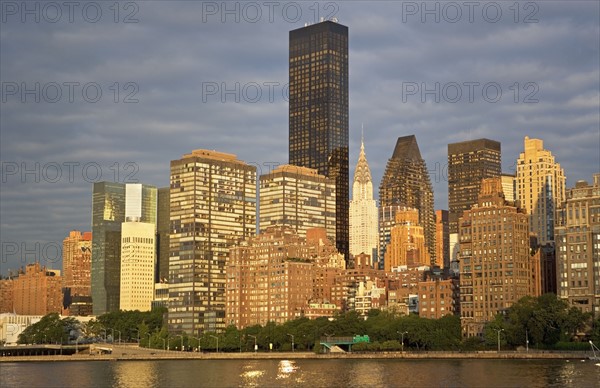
(364, 228)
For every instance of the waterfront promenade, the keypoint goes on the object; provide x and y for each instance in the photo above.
(133, 352)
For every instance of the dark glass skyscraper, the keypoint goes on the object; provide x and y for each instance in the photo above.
(468, 163)
(406, 183)
(318, 110)
(109, 211)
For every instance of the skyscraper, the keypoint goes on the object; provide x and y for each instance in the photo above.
(364, 230)
(318, 110)
(578, 247)
(442, 247)
(468, 163)
(298, 197)
(109, 204)
(407, 247)
(406, 183)
(77, 257)
(213, 207)
(496, 269)
(108, 213)
(77, 273)
(540, 188)
(162, 234)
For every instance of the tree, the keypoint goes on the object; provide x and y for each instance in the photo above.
(50, 329)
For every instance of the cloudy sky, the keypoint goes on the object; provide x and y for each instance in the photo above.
(98, 92)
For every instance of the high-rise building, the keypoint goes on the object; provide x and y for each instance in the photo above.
(407, 247)
(162, 235)
(138, 248)
(442, 235)
(269, 278)
(577, 236)
(540, 187)
(298, 197)
(318, 110)
(109, 204)
(37, 291)
(77, 273)
(387, 220)
(496, 269)
(77, 263)
(509, 186)
(213, 207)
(108, 213)
(468, 163)
(364, 228)
(406, 183)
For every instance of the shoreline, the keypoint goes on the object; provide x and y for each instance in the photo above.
(123, 355)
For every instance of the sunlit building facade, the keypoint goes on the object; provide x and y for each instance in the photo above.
(364, 228)
(108, 214)
(540, 188)
(406, 183)
(318, 110)
(496, 269)
(577, 237)
(213, 207)
(297, 197)
(407, 242)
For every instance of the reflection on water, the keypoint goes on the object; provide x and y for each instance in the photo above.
(251, 374)
(140, 374)
(301, 373)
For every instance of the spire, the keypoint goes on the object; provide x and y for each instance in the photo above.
(362, 173)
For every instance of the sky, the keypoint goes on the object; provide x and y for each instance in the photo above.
(95, 91)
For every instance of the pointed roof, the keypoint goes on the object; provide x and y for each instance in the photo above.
(362, 173)
(407, 148)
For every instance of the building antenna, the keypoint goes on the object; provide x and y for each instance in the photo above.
(362, 133)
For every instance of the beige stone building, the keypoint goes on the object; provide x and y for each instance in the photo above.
(37, 291)
(138, 265)
(407, 242)
(578, 246)
(496, 268)
(540, 188)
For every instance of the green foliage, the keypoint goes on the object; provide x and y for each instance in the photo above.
(50, 329)
(131, 324)
(544, 321)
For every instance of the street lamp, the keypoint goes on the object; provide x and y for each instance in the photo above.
(137, 336)
(217, 338)
(291, 335)
(402, 340)
(197, 339)
(527, 340)
(179, 335)
(255, 346)
(113, 335)
(164, 343)
(149, 337)
(499, 330)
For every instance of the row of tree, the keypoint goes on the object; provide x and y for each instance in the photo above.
(544, 322)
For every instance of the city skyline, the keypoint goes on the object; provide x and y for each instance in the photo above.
(383, 55)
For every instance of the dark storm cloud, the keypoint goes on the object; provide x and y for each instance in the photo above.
(175, 51)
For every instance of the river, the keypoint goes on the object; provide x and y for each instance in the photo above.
(302, 373)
